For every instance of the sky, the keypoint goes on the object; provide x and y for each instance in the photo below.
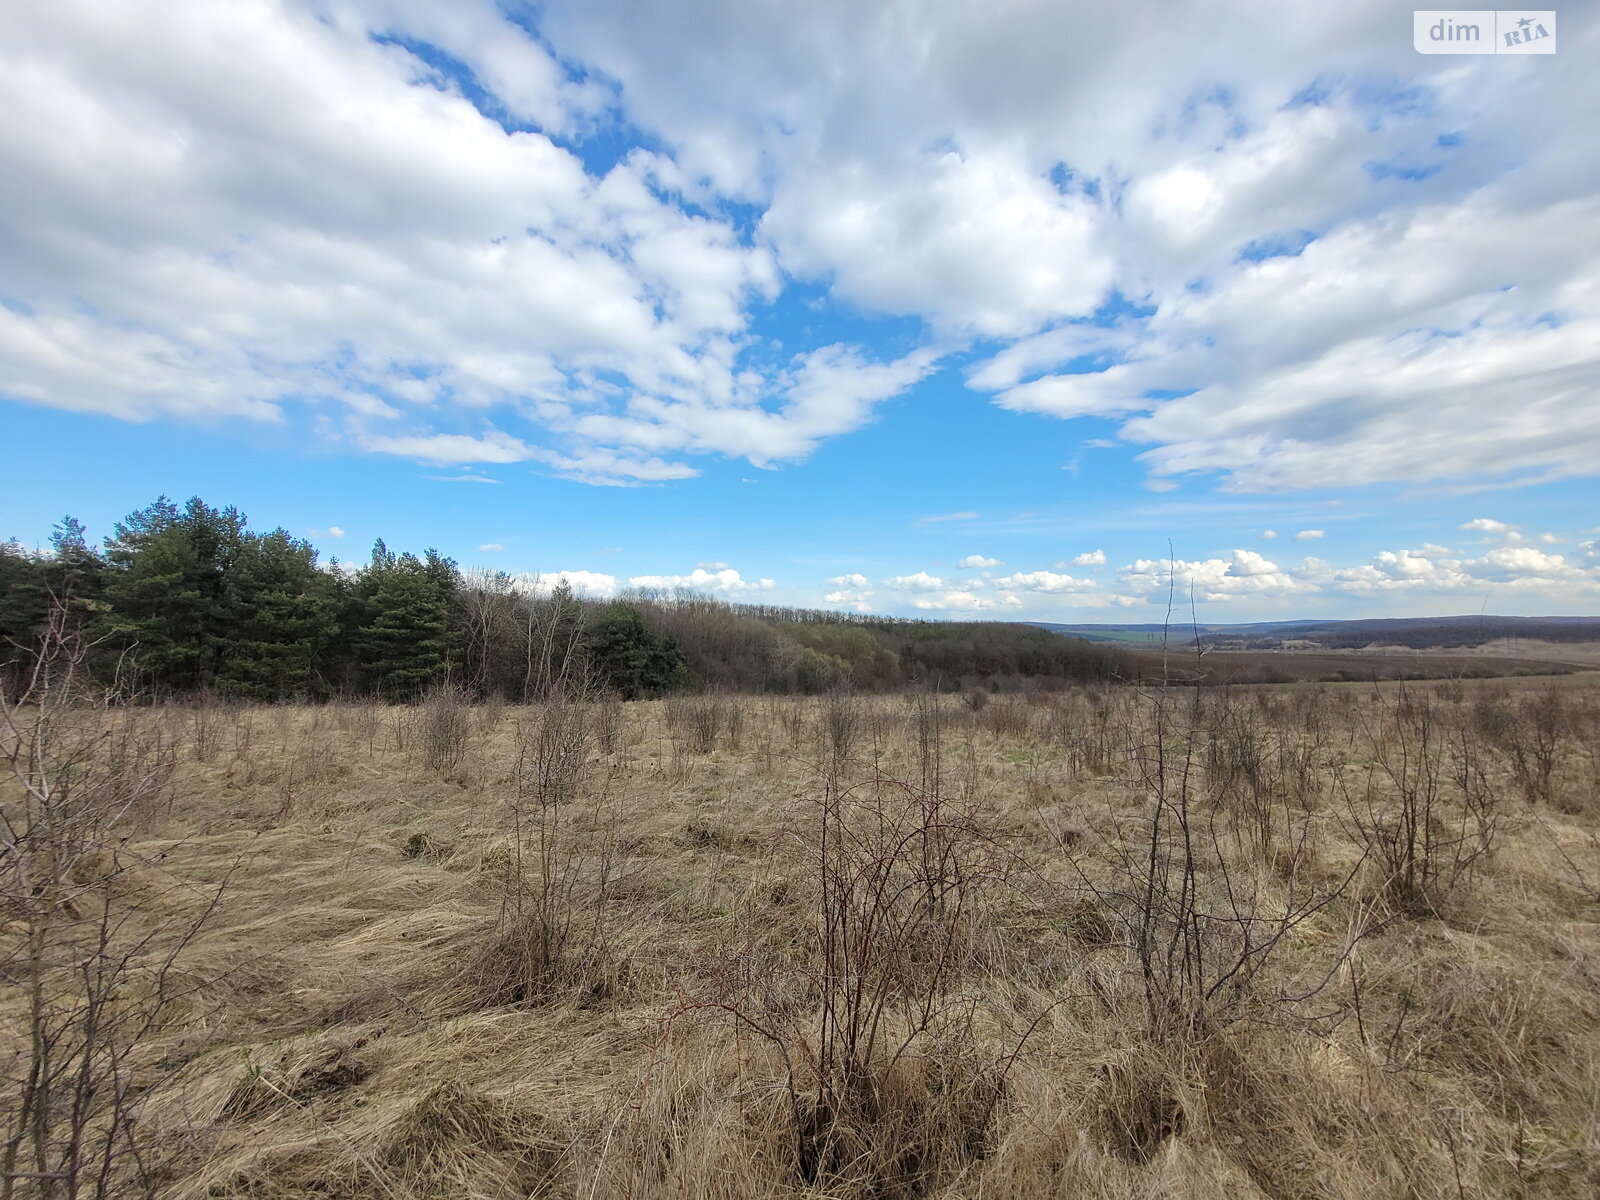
(1023, 310)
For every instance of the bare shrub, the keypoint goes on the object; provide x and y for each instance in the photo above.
(1426, 811)
(928, 722)
(94, 970)
(886, 1083)
(549, 933)
(792, 716)
(841, 727)
(1201, 928)
(1007, 717)
(698, 720)
(605, 719)
(445, 725)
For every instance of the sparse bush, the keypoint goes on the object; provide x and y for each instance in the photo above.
(887, 1087)
(1425, 811)
(90, 976)
(446, 724)
(841, 726)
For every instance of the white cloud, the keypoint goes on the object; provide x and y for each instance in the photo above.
(1308, 535)
(1344, 263)
(726, 580)
(491, 546)
(450, 448)
(955, 516)
(853, 591)
(978, 560)
(966, 601)
(712, 566)
(1043, 581)
(1268, 535)
(1244, 573)
(1486, 525)
(919, 581)
(332, 531)
(596, 585)
(974, 243)
(1089, 558)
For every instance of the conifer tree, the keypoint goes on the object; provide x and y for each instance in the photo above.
(403, 643)
(281, 614)
(24, 597)
(166, 578)
(627, 656)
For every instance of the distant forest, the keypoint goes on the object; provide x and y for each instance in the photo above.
(187, 599)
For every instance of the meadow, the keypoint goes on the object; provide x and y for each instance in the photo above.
(1297, 941)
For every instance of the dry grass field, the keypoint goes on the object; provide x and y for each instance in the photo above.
(1292, 942)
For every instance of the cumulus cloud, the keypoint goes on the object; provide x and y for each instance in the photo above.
(1243, 573)
(279, 212)
(966, 600)
(332, 228)
(1308, 535)
(1486, 525)
(978, 560)
(919, 581)
(596, 585)
(725, 580)
(491, 546)
(1089, 558)
(1044, 581)
(853, 591)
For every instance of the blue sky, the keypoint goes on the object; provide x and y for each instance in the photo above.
(916, 309)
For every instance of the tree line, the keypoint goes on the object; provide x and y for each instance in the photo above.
(186, 599)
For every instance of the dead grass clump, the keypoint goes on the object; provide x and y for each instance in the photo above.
(1137, 1105)
(303, 1070)
(459, 1142)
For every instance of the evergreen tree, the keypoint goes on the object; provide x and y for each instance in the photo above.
(404, 640)
(281, 614)
(627, 656)
(24, 598)
(165, 586)
(76, 573)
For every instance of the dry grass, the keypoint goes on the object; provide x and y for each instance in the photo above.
(693, 949)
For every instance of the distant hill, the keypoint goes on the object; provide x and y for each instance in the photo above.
(1417, 633)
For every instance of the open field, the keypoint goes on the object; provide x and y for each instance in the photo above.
(1311, 941)
(1342, 666)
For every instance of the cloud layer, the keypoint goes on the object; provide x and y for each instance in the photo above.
(1273, 247)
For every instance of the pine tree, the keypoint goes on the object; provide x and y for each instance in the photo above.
(627, 656)
(76, 573)
(24, 598)
(404, 640)
(164, 587)
(281, 615)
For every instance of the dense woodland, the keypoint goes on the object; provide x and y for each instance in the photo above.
(186, 599)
